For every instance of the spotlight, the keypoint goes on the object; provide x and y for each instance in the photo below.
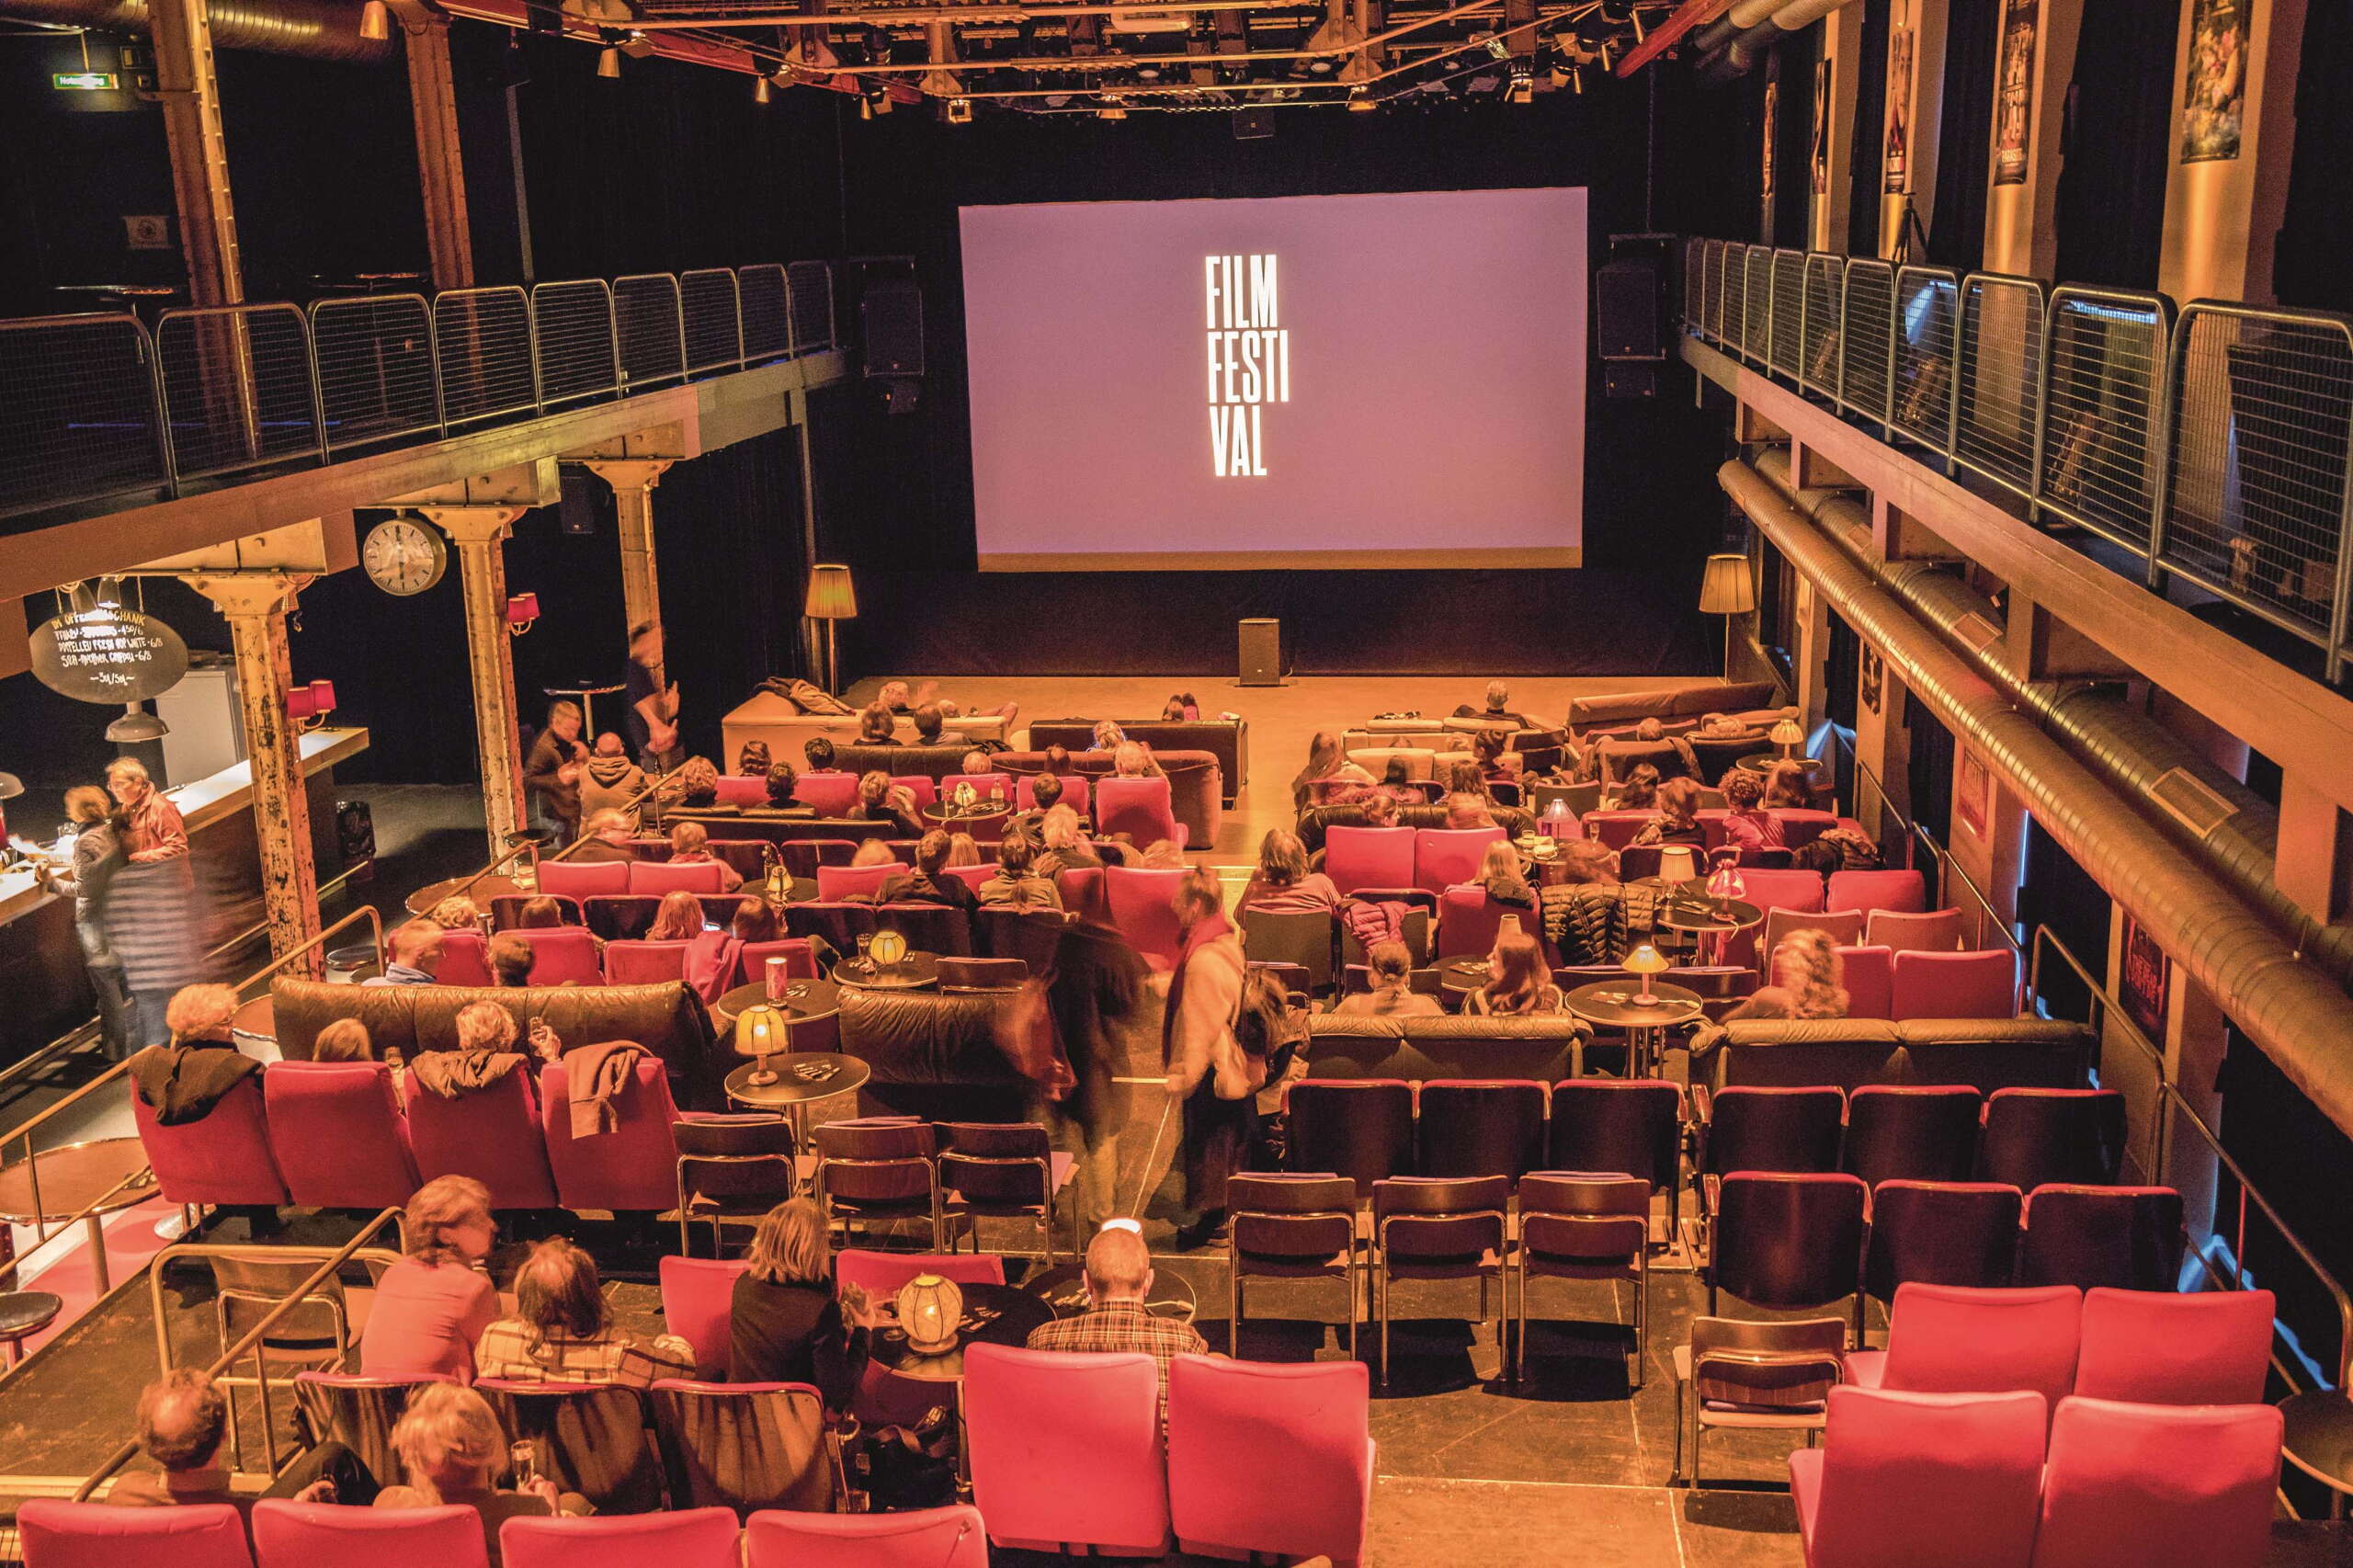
(1113, 110)
(1523, 84)
(375, 21)
(1605, 59)
(1360, 100)
(609, 64)
(1148, 72)
(636, 45)
(960, 112)
(1495, 46)
(1576, 80)
(759, 90)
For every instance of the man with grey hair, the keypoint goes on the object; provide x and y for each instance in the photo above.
(1498, 710)
(183, 1421)
(1118, 1283)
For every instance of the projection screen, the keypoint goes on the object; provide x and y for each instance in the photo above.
(1391, 381)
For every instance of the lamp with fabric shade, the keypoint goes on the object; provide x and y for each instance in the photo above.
(762, 1031)
(1644, 960)
(1677, 863)
(888, 948)
(1727, 587)
(831, 597)
(930, 1310)
(1788, 735)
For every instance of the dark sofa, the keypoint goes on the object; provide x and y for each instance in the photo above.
(1227, 740)
(933, 1055)
(1985, 1053)
(1343, 1045)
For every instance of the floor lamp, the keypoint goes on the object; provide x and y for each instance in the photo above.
(830, 598)
(1728, 588)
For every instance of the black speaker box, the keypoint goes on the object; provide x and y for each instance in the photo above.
(1627, 315)
(891, 319)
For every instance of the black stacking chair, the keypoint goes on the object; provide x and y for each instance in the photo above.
(1300, 1226)
(1941, 1233)
(1359, 1128)
(1912, 1133)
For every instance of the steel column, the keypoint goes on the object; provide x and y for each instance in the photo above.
(634, 480)
(191, 98)
(479, 535)
(442, 175)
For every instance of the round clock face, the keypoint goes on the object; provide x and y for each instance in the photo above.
(403, 556)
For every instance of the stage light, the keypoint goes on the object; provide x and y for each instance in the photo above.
(1113, 110)
(759, 90)
(1523, 84)
(1360, 100)
(637, 46)
(375, 21)
(1495, 46)
(960, 112)
(609, 64)
(1148, 72)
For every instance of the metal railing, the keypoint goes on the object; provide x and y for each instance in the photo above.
(2214, 443)
(98, 407)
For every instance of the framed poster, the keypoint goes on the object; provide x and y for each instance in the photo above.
(2143, 979)
(1895, 152)
(1818, 151)
(2213, 94)
(2014, 90)
(1973, 802)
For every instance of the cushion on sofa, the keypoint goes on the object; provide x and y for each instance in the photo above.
(1985, 1053)
(1345, 1045)
(1716, 696)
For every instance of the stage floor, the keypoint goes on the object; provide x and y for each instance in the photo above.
(1282, 719)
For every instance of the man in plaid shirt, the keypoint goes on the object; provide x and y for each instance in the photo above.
(1119, 1281)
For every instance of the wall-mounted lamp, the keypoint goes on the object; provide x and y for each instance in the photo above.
(375, 21)
(522, 613)
(308, 706)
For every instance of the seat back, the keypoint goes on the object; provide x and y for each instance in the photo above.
(840, 923)
(637, 963)
(1468, 920)
(997, 1165)
(1955, 1339)
(802, 856)
(1868, 976)
(1583, 1215)
(1906, 931)
(923, 787)
(916, 1538)
(1785, 1242)
(224, 1157)
(2170, 1347)
(1910, 1477)
(614, 917)
(831, 793)
(2126, 1237)
(2036, 1137)
(1844, 928)
(1439, 1219)
(697, 1294)
(1359, 1128)
(1939, 1232)
(632, 1166)
(1075, 794)
(882, 1274)
(1033, 1419)
(1904, 891)
(974, 876)
(1305, 939)
(506, 910)
(1444, 857)
(695, 1538)
(1481, 1127)
(981, 974)
(462, 962)
(1143, 907)
(1911, 1131)
(886, 1160)
(338, 1134)
(1368, 857)
(57, 1534)
(743, 790)
(657, 877)
(1633, 1127)
(1297, 1217)
(1082, 891)
(1139, 808)
(929, 927)
(800, 960)
(1982, 984)
(2158, 1486)
(584, 879)
(1033, 936)
(854, 882)
(492, 1134)
(1784, 1366)
(357, 1411)
(1769, 889)
(586, 1438)
(1267, 1458)
(290, 1535)
(562, 955)
(1757, 1128)
(743, 1445)
(747, 1155)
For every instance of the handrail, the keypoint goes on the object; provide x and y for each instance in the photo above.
(184, 1250)
(529, 845)
(252, 1336)
(65, 1227)
(1949, 870)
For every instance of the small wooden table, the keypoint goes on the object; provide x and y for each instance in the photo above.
(56, 1184)
(993, 1314)
(916, 971)
(793, 1093)
(1607, 1003)
(1715, 924)
(947, 814)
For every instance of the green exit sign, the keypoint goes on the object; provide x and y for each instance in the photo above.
(82, 80)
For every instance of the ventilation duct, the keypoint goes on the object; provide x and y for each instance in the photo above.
(315, 30)
(2299, 1017)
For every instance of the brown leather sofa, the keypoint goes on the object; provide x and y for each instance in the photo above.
(932, 1055)
(1343, 1045)
(1227, 740)
(1630, 707)
(1316, 819)
(666, 1019)
(1195, 783)
(1985, 1053)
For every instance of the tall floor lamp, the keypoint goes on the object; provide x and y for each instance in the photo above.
(830, 598)
(1728, 588)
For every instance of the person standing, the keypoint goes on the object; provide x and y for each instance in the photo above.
(1093, 995)
(553, 770)
(157, 831)
(150, 918)
(97, 855)
(653, 701)
(1209, 1074)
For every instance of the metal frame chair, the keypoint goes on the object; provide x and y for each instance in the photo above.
(877, 1204)
(1581, 1225)
(738, 1140)
(992, 1154)
(1282, 1228)
(1779, 1363)
(1456, 1219)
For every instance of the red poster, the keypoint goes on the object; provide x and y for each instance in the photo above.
(2142, 981)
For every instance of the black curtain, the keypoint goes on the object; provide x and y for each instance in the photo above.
(2117, 145)
(1965, 133)
(1868, 151)
(2316, 232)
(1793, 143)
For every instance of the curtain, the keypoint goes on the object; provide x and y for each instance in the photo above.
(1965, 133)
(2119, 145)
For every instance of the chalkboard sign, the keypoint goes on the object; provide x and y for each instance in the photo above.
(107, 653)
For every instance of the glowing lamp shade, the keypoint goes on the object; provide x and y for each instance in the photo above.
(963, 795)
(1787, 734)
(1727, 587)
(888, 948)
(300, 704)
(830, 594)
(762, 1031)
(1677, 863)
(1727, 883)
(930, 1310)
(523, 609)
(1645, 961)
(323, 696)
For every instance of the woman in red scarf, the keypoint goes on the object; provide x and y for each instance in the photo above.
(1208, 1071)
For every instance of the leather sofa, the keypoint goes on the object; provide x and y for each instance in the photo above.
(1228, 740)
(932, 1055)
(1196, 784)
(1316, 819)
(666, 1019)
(1985, 1053)
(1605, 709)
(1344, 1045)
(765, 716)
(909, 761)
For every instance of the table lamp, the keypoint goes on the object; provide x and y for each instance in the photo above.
(832, 598)
(930, 1310)
(1726, 885)
(1677, 863)
(1727, 587)
(1644, 960)
(762, 1031)
(887, 949)
(1787, 736)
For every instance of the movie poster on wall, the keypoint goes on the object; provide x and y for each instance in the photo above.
(1895, 155)
(2213, 97)
(1818, 151)
(2143, 982)
(2014, 90)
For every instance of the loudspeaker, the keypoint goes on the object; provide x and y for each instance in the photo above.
(891, 314)
(1626, 311)
(1254, 123)
(1262, 652)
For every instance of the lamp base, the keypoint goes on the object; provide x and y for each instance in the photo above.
(761, 1076)
(931, 1346)
(1642, 999)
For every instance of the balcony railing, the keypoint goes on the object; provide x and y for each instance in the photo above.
(97, 406)
(2213, 443)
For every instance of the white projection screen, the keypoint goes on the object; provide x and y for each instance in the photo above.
(1391, 381)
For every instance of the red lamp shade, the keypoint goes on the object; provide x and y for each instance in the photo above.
(300, 704)
(322, 696)
(523, 608)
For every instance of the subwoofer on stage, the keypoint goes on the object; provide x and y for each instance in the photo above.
(1262, 652)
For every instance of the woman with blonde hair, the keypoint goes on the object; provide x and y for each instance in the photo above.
(539, 913)
(452, 1449)
(201, 1014)
(1465, 811)
(1282, 884)
(964, 849)
(1393, 993)
(1806, 973)
(1502, 879)
(345, 1039)
(1324, 760)
(678, 918)
(1133, 759)
(1067, 847)
(457, 913)
(690, 846)
(1518, 982)
(785, 1322)
(434, 1303)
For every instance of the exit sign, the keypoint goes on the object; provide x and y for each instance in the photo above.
(82, 80)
